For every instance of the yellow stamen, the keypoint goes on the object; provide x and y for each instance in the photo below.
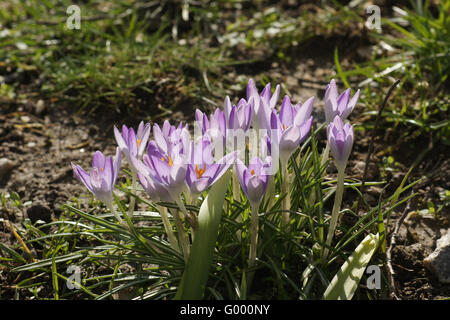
(162, 159)
(170, 161)
(138, 142)
(200, 172)
(101, 169)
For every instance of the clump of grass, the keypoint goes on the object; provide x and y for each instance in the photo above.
(419, 55)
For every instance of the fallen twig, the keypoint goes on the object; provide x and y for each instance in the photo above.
(369, 153)
(392, 244)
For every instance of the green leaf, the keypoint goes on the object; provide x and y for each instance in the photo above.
(339, 69)
(195, 276)
(345, 282)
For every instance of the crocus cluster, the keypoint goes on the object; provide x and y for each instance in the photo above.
(169, 162)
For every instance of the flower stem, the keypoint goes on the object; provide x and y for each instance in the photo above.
(324, 158)
(325, 155)
(110, 206)
(133, 191)
(253, 236)
(236, 188)
(286, 203)
(336, 209)
(181, 235)
(167, 226)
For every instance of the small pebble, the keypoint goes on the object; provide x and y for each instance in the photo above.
(6, 166)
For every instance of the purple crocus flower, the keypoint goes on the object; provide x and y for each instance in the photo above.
(171, 139)
(154, 189)
(214, 127)
(340, 105)
(263, 104)
(254, 179)
(203, 171)
(291, 126)
(100, 181)
(340, 138)
(166, 169)
(238, 116)
(130, 143)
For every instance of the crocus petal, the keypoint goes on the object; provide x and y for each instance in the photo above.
(256, 187)
(120, 141)
(266, 93)
(98, 160)
(117, 164)
(159, 138)
(304, 112)
(286, 112)
(251, 89)
(227, 109)
(351, 105)
(143, 135)
(342, 100)
(132, 143)
(82, 175)
(275, 96)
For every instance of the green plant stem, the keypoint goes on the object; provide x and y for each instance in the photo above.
(270, 193)
(253, 243)
(323, 159)
(286, 204)
(168, 227)
(325, 155)
(236, 188)
(336, 208)
(110, 206)
(133, 191)
(181, 235)
(253, 236)
(190, 218)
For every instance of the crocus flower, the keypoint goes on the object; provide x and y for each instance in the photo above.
(214, 127)
(100, 181)
(154, 189)
(238, 116)
(264, 103)
(254, 179)
(291, 126)
(338, 105)
(166, 169)
(340, 138)
(171, 139)
(203, 171)
(130, 143)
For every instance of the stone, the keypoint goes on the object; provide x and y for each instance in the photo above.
(438, 262)
(40, 107)
(39, 212)
(6, 166)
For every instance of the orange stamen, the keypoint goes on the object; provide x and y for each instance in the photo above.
(252, 172)
(138, 142)
(200, 172)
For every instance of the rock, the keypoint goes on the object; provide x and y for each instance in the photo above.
(6, 166)
(439, 261)
(40, 107)
(39, 212)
